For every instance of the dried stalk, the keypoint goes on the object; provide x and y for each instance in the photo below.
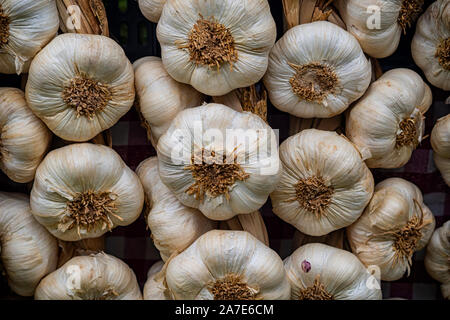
(70, 249)
(297, 125)
(334, 239)
(252, 223)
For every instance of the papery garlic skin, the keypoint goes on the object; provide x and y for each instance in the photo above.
(340, 272)
(395, 224)
(333, 65)
(433, 29)
(81, 177)
(24, 138)
(80, 85)
(160, 97)
(95, 277)
(218, 255)
(154, 288)
(248, 31)
(27, 251)
(437, 259)
(440, 141)
(31, 24)
(173, 225)
(251, 154)
(324, 186)
(375, 23)
(387, 123)
(152, 9)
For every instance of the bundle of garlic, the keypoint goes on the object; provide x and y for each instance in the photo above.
(324, 186)
(387, 123)
(378, 24)
(83, 190)
(160, 97)
(173, 225)
(216, 45)
(27, 251)
(431, 44)
(95, 277)
(218, 160)
(80, 85)
(155, 288)
(320, 272)
(440, 141)
(24, 139)
(26, 26)
(395, 224)
(316, 70)
(437, 259)
(152, 9)
(227, 265)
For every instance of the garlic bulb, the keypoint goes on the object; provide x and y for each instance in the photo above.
(26, 26)
(152, 9)
(378, 24)
(324, 186)
(154, 288)
(437, 259)
(216, 45)
(316, 70)
(227, 265)
(24, 139)
(95, 277)
(160, 97)
(80, 85)
(173, 225)
(387, 123)
(27, 251)
(320, 272)
(218, 160)
(83, 190)
(395, 224)
(440, 141)
(431, 44)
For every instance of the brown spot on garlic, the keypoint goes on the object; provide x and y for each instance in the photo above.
(232, 287)
(88, 209)
(86, 96)
(4, 28)
(214, 177)
(313, 194)
(313, 81)
(409, 12)
(408, 133)
(443, 53)
(315, 292)
(211, 43)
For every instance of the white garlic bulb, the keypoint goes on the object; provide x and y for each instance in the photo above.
(395, 224)
(227, 265)
(431, 44)
(24, 139)
(155, 288)
(378, 24)
(387, 123)
(316, 70)
(216, 45)
(320, 272)
(80, 85)
(440, 141)
(218, 160)
(26, 26)
(84, 190)
(27, 251)
(324, 186)
(152, 9)
(437, 258)
(95, 277)
(173, 225)
(160, 97)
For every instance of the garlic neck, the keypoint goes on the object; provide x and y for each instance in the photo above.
(4, 28)
(232, 287)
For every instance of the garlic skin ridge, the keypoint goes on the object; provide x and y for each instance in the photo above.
(151, 9)
(95, 277)
(24, 138)
(27, 251)
(440, 142)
